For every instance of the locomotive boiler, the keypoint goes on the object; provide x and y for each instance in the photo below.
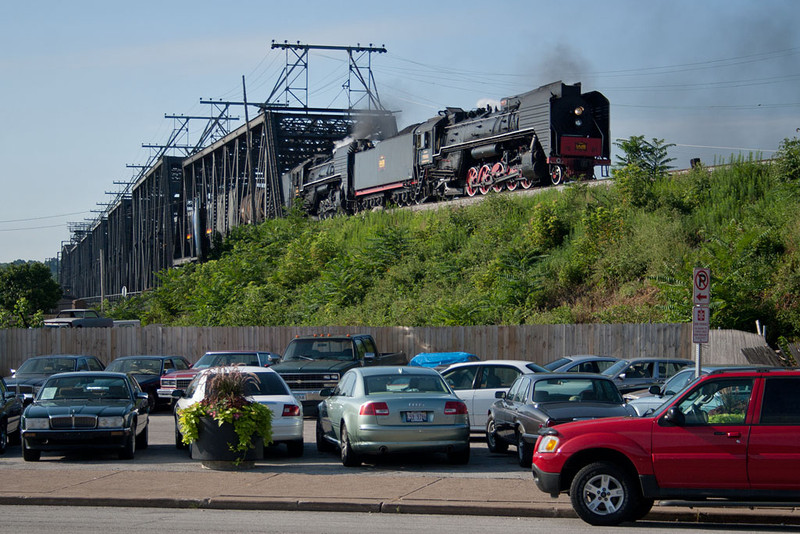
(545, 136)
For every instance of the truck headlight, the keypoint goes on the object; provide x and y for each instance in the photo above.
(37, 423)
(109, 422)
(548, 444)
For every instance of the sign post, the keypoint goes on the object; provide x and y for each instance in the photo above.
(701, 286)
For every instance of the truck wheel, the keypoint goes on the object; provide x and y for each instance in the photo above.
(493, 441)
(524, 450)
(604, 494)
(349, 456)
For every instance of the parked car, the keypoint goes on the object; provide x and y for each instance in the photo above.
(33, 372)
(732, 436)
(641, 373)
(10, 414)
(476, 383)
(86, 410)
(388, 409)
(537, 401)
(584, 363)
(267, 388)
(646, 401)
(79, 318)
(180, 379)
(147, 370)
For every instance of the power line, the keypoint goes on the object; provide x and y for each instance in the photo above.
(44, 217)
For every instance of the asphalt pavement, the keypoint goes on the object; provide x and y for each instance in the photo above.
(270, 485)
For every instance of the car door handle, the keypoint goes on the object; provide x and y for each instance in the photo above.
(729, 434)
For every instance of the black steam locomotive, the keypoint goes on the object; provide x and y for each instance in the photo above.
(544, 136)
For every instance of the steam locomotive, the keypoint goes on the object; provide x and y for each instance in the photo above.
(545, 136)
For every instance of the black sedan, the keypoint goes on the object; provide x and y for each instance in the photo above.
(30, 376)
(537, 401)
(86, 410)
(10, 413)
(147, 370)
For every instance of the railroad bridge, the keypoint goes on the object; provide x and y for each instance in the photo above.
(177, 204)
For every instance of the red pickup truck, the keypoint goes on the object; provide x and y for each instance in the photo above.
(729, 435)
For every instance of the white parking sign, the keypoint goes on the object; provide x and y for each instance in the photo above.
(700, 316)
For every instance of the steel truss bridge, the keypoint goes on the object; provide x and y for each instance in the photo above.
(177, 204)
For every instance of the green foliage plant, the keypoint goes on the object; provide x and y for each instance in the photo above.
(225, 402)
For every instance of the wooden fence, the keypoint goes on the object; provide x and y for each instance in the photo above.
(536, 343)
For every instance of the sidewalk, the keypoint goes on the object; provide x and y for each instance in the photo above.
(254, 490)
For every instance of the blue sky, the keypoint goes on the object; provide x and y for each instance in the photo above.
(83, 84)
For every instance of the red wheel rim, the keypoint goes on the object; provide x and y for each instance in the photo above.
(472, 178)
(485, 178)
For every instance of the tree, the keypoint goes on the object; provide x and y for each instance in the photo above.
(650, 156)
(26, 289)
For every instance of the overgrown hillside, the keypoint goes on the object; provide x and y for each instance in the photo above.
(617, 254)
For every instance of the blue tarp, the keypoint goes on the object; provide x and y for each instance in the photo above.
(435, 359)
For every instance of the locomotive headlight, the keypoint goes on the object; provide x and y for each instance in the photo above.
(578, 111)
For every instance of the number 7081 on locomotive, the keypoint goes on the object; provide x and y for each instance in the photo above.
(541, 137)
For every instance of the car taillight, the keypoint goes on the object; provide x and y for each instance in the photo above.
(374, 408)
(291, 410)
(455, 408)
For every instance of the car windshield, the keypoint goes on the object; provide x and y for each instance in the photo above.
(85, 387)
(617, 368)
(145, 366)
(555, 364)
(265, 384)
(220, 360)
(319, 349)
(404, 383)
(576, 390)
(45, 366)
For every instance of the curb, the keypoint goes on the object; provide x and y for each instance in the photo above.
(681, 515)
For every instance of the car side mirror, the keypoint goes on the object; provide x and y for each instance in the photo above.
(272, 359)
(499, 394)
(621, 376)
(178, 393)
(654, 390)
(13, 372)
(369, 357)
(326, 392)
(673, 417)
(142, 395)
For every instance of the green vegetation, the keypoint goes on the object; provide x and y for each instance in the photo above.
(620, 253)
(26, 291)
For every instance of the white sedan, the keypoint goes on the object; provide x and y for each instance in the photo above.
(477, 382)
(270, 390)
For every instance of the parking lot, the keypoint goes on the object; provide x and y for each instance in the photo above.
(162, 455)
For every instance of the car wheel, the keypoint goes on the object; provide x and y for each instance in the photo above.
(323, 445)
(179, 444)
(30, 455)
(603, 494)
(349, 456)
(3, 436)
(493, 441)
(129, 450)
(295, 448)
(524, 450)
(143, 438)
(152, 399)
(459, 457)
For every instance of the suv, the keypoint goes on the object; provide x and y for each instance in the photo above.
(641, 373)
(729, 435)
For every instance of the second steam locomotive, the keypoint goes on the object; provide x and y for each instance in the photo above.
(544, 136)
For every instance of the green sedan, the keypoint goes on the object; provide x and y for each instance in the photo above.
(382, 410)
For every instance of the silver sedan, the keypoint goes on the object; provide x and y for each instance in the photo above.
(382, 410)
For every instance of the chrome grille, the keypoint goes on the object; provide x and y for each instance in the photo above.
(183, 383)
(310, 380)
(69, 422)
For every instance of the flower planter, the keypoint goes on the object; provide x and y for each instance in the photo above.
(213, 446)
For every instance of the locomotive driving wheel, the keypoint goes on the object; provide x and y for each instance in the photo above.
(472, 181)
(556, 174)
(498, 171)
(485, 179)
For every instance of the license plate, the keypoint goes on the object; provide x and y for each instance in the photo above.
(416, 417)
(300, 396)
